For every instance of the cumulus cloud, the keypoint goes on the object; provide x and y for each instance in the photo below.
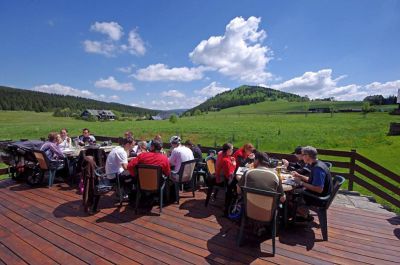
(127, 69)
(112, 29)
(239, 53)
(173, 94)
(105, 48)
(112, 83)
(211, 90)
(135, 44)
(65, 90)
(171, 103)
(321, 84)
(113, 43)
(115, 97)
(161, 72)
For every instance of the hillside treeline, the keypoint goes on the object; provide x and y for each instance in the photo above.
(27, 100)
(244, 95)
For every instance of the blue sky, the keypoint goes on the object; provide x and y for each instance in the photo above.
(176, 54)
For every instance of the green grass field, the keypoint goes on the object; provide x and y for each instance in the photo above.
(270, 132)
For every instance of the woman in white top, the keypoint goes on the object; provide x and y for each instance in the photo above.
(65, 140)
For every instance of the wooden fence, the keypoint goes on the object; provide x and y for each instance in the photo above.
(356, 169)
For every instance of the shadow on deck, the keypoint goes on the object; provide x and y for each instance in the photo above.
(47, 226)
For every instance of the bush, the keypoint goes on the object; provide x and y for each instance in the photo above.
(173, 118)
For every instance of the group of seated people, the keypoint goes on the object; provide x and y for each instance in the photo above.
(309, 173)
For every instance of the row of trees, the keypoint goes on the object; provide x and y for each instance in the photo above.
(380, 100)
(243, 95)
(27, 100)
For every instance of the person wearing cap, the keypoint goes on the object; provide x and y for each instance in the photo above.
(299, 166)
(244, 155)
(260, 177)
(154, 157)
(318, 183)
(198, 155)
(179, 154)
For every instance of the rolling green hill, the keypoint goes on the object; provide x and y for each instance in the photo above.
(244, 95)
(27, 100)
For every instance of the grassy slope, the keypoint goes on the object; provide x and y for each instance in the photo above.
(278, 132)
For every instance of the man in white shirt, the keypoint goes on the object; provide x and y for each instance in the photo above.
(179, 154)
(117, 160)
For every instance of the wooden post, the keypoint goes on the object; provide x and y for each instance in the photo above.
(352, 166)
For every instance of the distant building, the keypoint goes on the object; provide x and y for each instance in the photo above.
(155, 118)
(99, 114)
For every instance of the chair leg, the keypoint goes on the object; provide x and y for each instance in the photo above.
(323, 221)
(242, 225)
(273, 234)
(137, 200)
(52, 174)
(209, 192)
(161, 197)
(177, 192)
(193, 186)
(119, 191)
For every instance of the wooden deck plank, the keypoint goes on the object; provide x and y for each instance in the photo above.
(25, 251)
(9, 257)
(75, 237)
(367, 259)
(55, 253)
(187, 233)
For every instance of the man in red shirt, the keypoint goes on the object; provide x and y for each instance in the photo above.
(154, 157)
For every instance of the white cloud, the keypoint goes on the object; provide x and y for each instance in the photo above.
(386, 89)
(127, 69)
(135, 44)
(113, 84)
(65, 90)
(111, 45)
(238, 53)
(172, 93)
(160, 72)
(100, 47)
(321, 84)
(172, 103)
(115, 97)
(112, 29)
(211, 90)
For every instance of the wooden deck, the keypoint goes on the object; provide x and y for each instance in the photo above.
(48, 226)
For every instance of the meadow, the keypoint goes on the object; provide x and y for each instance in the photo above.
(273, 132)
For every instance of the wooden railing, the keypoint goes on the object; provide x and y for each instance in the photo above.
(357, 169)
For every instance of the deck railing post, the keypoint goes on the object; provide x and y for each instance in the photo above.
(352, 166)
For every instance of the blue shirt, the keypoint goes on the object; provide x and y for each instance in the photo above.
(318, 177)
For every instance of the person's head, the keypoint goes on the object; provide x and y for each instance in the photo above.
(309, 154)
(52, 137)
(227, 149)
(58, 139)
(156, 146)
(63, 133)
(142, 145)
(189, 144)
(158, 138)
(175, 141)
(128, 143)
(248, 148)
(212, 152)
(86, 132)
(128, 134)
(260, 159)
(297, 153)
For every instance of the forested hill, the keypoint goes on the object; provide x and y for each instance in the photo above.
(243, 95)
(20, 99)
